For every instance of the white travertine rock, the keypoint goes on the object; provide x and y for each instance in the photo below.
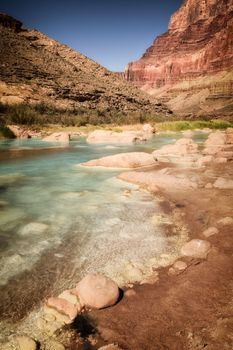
(123, 160)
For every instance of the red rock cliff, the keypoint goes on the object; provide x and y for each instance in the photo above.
(193, 60)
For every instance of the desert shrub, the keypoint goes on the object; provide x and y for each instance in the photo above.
(221, 124)
(43, 114)
(22, 114)
(6, 132)
(3, 108)
(197, 124)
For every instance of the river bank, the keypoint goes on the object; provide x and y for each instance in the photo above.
(37, 130)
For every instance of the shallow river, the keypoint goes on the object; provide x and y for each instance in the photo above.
(59, 220)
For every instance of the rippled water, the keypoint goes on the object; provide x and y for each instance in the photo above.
(59, 220)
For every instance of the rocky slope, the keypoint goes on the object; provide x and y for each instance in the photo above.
(35, 68)
(190, 66)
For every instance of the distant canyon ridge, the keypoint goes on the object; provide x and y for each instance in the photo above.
(190, 67)
(36, 69)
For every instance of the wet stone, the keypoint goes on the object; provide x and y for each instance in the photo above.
(196, 248)
(110, 347)
(63, 306)
(154, 278)
(54, 345)
(225, 221)
(26, 343)
(210, 232)
(180, 265)
(129, 293)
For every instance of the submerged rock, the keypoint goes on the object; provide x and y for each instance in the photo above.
(10, 179)
(123, 160)
(97, 291)
(33, 228)
(63, 137)
(196, 248)
(132, 273)
(9, 216)
(102, 136)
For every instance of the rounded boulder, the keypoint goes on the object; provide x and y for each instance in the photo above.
(196, 248)
(97, 291)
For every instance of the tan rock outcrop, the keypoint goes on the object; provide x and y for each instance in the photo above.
(123, 160)
(183, 151)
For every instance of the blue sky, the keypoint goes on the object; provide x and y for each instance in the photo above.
(112, 33)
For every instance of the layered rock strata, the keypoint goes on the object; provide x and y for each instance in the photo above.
(190, 66)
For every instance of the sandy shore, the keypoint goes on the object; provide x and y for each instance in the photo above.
(190, 310)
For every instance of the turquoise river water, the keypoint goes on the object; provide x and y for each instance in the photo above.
(59, 220)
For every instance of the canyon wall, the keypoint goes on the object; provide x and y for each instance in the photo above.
(190, 66)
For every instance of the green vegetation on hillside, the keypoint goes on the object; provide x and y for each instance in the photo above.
(196, 124)
(6, 133)
(43, 114)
